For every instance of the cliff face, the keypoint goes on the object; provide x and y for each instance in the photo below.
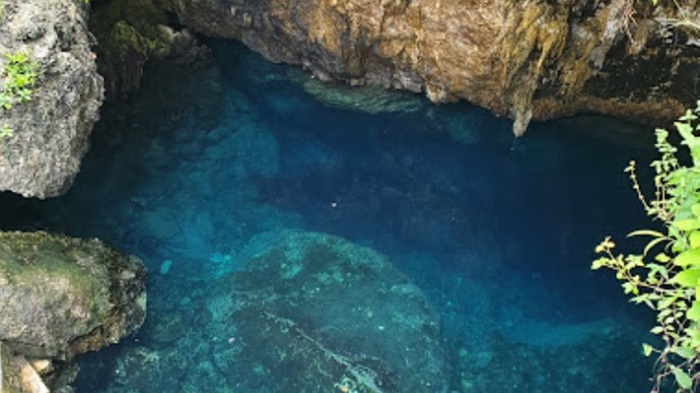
(522, 59)
(44, 135)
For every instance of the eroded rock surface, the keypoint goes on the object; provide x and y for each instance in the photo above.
(530, 59)
(49, 133)
(60, 297)
(318, 313)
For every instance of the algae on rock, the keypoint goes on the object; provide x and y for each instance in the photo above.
(129, 34)
(60, 297)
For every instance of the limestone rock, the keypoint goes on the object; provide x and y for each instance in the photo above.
(129, 34)
(315, 313)
(522, 59)
(60, 297)
(49, 132)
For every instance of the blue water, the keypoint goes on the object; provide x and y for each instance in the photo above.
(203, 165)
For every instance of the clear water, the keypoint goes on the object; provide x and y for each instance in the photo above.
(497, 232)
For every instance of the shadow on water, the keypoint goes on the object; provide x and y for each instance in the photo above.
(201, 165)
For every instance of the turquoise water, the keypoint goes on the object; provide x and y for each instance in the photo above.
(208, 169)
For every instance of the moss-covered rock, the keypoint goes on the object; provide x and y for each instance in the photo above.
(9, 376)
(129, 34)
(60, 296)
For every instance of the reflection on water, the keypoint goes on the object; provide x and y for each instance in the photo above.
(461, 262)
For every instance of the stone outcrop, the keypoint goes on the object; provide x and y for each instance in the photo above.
(522, 59)
(60, 297)
(129, 34)
(47, 136)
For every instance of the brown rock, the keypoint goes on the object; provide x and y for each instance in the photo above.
(525, 60)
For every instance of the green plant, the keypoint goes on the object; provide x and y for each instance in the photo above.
(20, 74)
(665, 276)
(6, 131)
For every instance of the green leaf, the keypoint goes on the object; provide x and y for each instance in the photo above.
(687, 224)
(687, 278)
(685, 353)
(665, 303)
(661, 257)
(694, 311)
(655, 268)
(694, 239)
(682, 378)
(657, 330)
(688, 258)
(647, 349)
(696, 210)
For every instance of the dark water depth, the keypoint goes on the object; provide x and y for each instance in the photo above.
(201, 169)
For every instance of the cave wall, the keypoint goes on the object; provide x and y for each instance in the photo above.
(521, 59)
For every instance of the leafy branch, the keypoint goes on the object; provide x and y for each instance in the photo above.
(665, 276)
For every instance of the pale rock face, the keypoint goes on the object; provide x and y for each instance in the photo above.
(50, 132)
(521, 59)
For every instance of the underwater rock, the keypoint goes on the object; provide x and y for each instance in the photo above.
(526, 60)
(578, 364)
(315, 313)
(61, 297)
(368, 99)
(45, 138)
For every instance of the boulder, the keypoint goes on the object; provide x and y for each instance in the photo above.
(45, 137)
(315, 313)
(60, 297)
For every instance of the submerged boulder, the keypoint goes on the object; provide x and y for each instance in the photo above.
(60, 297)
(44, 129)
(308, 313)
(315, 313)
(532, 59)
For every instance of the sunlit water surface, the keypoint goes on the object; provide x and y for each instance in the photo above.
(199, 170)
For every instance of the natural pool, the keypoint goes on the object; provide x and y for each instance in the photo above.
(206, 170)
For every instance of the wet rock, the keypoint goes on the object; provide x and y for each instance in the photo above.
(60, 297)
(129, 34)
(368, 99)
(46, 137)
(526, 60)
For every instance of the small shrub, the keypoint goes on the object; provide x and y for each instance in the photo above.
(665, 276)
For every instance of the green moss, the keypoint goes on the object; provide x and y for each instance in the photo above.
(128, 35)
